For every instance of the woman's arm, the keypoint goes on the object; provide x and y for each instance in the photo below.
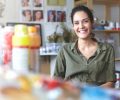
(108, 85)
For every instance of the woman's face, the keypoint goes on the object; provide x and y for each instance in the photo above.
(82, 25)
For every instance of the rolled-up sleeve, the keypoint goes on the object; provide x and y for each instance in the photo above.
(59, 71)
(110, 71)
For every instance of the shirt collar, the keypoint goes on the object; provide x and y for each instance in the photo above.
(101, 46)
(74, 45)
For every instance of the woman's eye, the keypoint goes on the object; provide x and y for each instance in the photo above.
(85, 21)
(76, 23)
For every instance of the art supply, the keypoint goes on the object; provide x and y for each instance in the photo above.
(20, 52)
(34, 48)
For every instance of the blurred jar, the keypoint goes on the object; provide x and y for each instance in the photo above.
(20, 51)
(35, 42)
(6, 46)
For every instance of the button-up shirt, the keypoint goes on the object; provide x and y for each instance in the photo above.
(73, 66)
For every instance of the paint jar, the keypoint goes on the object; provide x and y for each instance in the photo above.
(21, 51)
(35, 42)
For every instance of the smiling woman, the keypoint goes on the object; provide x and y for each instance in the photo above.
(86, 60)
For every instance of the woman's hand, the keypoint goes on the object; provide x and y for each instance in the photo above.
(108, 85)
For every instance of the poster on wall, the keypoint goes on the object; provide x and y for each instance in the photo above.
(34, 3)
(38, 3)
(61, 16)
(51, 15)
(37, 15)
(56, 2)
(25, 3)
(56, 16)
(32, 10)
(27, 15)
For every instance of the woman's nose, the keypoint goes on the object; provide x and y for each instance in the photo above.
(81, 25)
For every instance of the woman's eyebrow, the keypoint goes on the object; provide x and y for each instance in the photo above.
(82, 19)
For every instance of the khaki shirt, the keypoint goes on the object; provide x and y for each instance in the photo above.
(73, 66)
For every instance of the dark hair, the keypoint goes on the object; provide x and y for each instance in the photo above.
(82, 8)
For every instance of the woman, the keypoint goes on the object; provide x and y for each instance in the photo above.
(86, 60)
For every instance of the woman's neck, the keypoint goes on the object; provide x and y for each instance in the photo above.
(85, 43)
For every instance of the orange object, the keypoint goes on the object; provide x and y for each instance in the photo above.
(34, 37)
(34, 48)
(25, 83)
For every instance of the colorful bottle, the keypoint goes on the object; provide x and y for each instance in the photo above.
(20, 51)
(34, 48)
(8, 32)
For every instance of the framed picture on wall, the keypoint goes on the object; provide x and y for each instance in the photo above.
(38, 26)
(31, 11)
(27, 15)
(25, 3)
(37, 15)
(51, 2)
(61, 2)
(38, 3)
(61, 16)
(51, 15)
(56, 2)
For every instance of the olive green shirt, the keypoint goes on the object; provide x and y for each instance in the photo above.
(73, 66)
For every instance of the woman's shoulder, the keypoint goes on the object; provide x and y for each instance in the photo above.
(106, 45)
(67, 45)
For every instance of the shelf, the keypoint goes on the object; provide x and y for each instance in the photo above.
(77, 2)
(107, 2)
(48, 54)
(117, 59)
(108, 31)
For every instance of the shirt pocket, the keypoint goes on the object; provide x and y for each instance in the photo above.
(101, 66)
(97, 71)
(98, 67)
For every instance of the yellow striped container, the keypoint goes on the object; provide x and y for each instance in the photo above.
(20, 51)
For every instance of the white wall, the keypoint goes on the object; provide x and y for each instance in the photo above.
(49, 27)
(11, 12)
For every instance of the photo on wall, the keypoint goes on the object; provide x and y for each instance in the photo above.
(27, 15)
(37, 15)
(61, 2)
(56, 2)
(25, 3)
(51, 2)
(31, 11)
(61, 16)
(38, 3)
(51, 15)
